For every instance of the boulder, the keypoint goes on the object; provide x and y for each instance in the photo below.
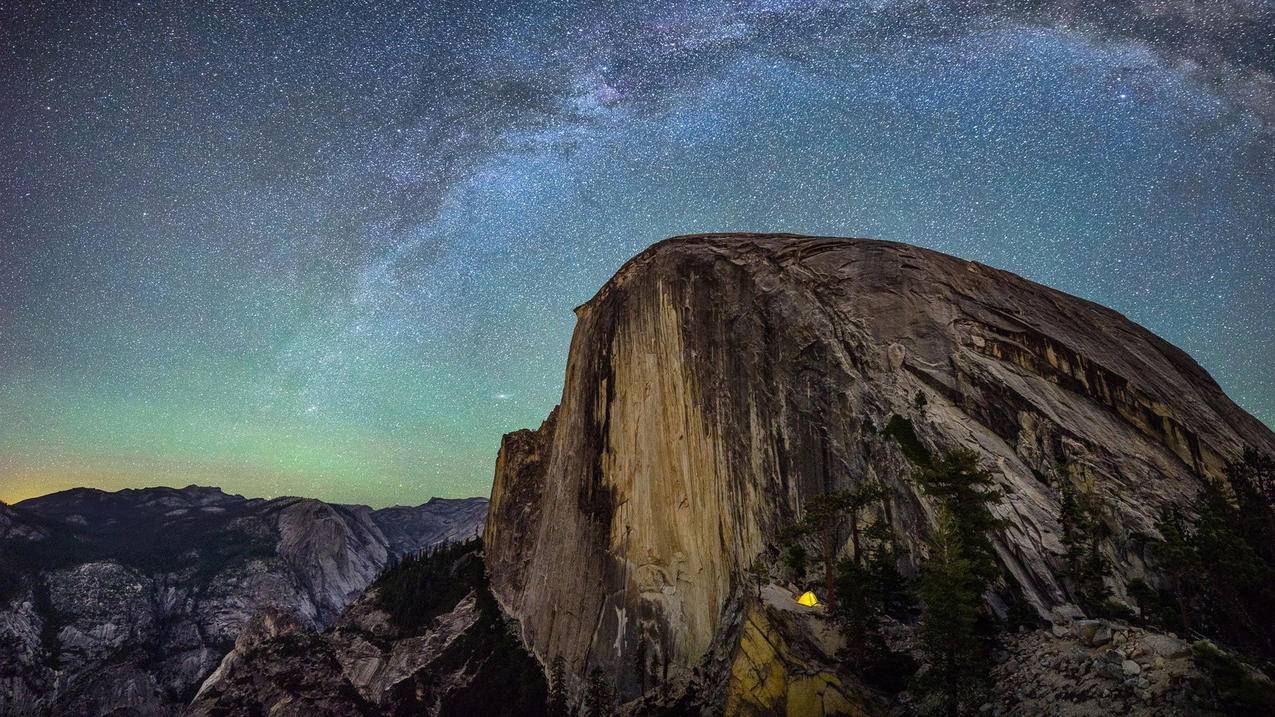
(1093, 633)
(1165, 647)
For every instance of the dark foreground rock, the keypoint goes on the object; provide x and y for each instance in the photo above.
(425, 639)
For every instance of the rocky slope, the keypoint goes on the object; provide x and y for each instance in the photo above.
(124, 602)
(425, 639)
(716, 383)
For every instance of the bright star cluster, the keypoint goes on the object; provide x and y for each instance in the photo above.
(331, 249)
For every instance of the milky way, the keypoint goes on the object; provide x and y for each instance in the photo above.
(332, 249)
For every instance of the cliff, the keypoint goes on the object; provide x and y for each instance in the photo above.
(718, 382)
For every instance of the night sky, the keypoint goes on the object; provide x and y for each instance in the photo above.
(331, 249)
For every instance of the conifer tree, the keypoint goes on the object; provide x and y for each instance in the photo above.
(961, 565)
(1082, 534)
(795, 558)
(1236, 587)
(967, 491)
(1216, 575)
(870, 587)
(557, 703)
(821, 518)
(599, 696)
(824, 514)
(1178, 559)
(1252, 478)
(858, 610)
(894, 590)
(955, 656)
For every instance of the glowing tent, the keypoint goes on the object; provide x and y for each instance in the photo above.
(808, 599)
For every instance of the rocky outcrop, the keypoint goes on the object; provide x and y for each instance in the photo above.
(361, 666)
(784, 661)
(441, 520)
(128, 600)
(717, 382)
(275, 649)
(463, 661)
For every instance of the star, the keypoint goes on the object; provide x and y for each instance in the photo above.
(336, 247)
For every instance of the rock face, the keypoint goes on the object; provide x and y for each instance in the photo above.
(127, 601)
(461, 661)
(716, 383)
(441, 520)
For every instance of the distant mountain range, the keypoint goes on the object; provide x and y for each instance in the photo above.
(124, 602)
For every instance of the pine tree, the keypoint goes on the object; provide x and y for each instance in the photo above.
(1216, 575)
(868, 582)
(822, 517)
(1236, 590)
(956, 661)
(557, 703)
(967, 491)
(1252, 478)
(1072, 520)
(1176, 554)
(894, 590)
(795, 558)
(1083, 534)
(961, 565)
(599, 696)
(868, 589)
(858, 610)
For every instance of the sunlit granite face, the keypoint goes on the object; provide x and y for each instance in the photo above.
(717, 383)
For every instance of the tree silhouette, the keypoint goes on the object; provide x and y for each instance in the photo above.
(950, 589)
(822, 518)
(599, 695)
(967, 491)
(557, 703)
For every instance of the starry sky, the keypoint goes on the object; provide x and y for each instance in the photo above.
(331, 249)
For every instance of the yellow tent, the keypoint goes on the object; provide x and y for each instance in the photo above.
(808, 599)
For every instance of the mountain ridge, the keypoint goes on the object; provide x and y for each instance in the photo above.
(129, 599)
(196, 488)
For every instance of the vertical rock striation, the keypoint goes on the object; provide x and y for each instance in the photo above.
(717, 382)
